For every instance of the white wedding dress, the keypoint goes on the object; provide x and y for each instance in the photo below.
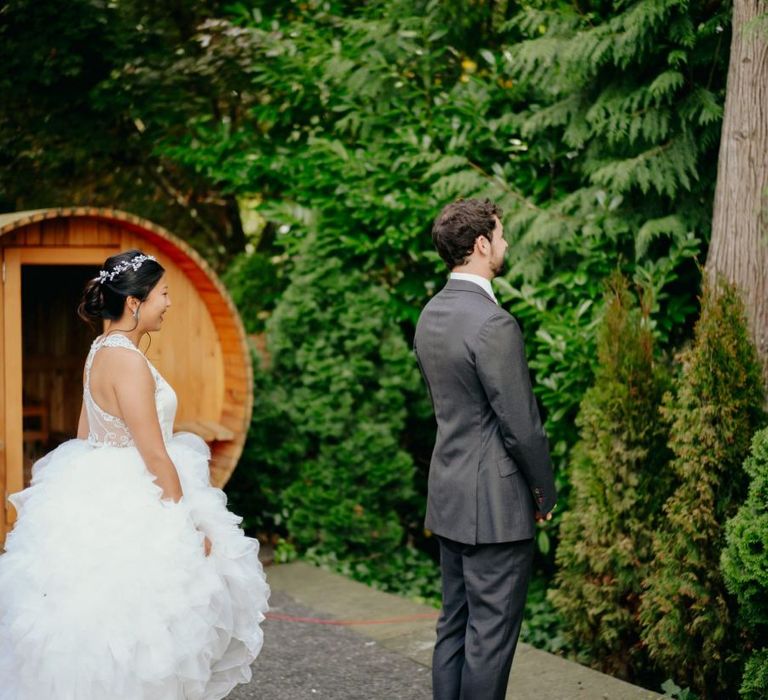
(105, 589)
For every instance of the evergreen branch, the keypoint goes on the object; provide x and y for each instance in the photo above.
(525, 201)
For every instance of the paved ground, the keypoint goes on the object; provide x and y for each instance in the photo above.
(307, 661)
(386, 653)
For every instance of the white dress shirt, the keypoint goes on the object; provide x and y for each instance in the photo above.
(478, 280)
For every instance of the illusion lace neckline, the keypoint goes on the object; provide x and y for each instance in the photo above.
(105, 428)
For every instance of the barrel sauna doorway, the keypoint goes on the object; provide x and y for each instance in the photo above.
(53, 344)
(47, 256)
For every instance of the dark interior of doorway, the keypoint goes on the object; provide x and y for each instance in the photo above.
(55, 342)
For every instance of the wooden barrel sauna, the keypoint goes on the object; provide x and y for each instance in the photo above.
(47, 256)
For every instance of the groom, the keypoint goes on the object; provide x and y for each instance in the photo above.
(490, 478)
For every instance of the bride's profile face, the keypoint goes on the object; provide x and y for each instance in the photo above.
(155, 305)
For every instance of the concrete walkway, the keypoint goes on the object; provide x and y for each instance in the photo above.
(310, 661)
(398, 634)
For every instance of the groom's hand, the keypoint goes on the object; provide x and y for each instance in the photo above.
(542, 518)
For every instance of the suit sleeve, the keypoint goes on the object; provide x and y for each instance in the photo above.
(423, 374)
(503, 372)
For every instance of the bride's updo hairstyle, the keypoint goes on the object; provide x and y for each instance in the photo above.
(127, 274)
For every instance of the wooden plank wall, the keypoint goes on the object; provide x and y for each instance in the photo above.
(12, 384)
(3, 492)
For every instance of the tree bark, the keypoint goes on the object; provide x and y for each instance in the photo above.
(739, 245)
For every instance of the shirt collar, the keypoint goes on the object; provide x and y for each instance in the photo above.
(482, 282)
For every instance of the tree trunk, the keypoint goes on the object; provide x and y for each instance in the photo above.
(739, 246)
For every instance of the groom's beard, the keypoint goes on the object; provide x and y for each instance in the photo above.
(499, 268)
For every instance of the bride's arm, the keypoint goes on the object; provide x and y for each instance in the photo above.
(135, 393)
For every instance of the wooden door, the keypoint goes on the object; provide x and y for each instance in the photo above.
(11, 359)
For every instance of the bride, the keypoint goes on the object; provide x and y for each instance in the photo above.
(125, 576)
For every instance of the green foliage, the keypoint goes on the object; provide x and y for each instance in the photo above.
(270, 458)
(617, 138)
(255, 283)
(745, 566)
(755, 679)
(406, 571)
(619, 485)
(672, 690)
(369, 126)
(327, 427)
(543, 624)
(95, 96)
(372, 119)
(688, 617)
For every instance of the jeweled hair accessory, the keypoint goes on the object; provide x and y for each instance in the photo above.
(135, 262)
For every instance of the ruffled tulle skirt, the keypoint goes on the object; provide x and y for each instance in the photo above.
(105, 589)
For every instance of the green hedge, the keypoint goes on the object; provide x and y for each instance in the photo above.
(324, 458)
(688, 617)
(745, 567)
(619, 484)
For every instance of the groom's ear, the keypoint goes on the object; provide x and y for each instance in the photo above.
(483, 245)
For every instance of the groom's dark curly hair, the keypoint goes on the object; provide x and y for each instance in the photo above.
(459, 224)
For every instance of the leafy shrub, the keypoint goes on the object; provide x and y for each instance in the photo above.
(255, 284)
(619, 485)
(745, 566)
(325, 440)
(674, 691)
(270, 457)
(406, 571)
(688, 617)
(543, 624)
(755, 680)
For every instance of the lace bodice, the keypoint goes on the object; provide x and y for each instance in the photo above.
(108, 430)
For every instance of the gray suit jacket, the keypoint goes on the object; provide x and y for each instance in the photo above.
(490, 467)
